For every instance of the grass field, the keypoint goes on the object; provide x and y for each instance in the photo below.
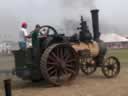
(121, 54)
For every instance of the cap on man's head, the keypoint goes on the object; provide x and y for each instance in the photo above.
(24, 24)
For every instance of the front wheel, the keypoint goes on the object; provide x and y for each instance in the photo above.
(111, 67)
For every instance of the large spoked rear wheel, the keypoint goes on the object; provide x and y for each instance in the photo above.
(111, 67)
(59, 64)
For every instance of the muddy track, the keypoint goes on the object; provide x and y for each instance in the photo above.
(94, 85)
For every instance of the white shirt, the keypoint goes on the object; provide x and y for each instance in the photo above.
(23, 32)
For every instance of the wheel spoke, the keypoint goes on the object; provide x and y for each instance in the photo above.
(114, 62)
(70, 60)
(48, 30)
(91, 68)
(65, 52)
(65, 71)
(52, 59)
(106, 63)
(53, 72)
(106, 68)
(50, 68)
(52, 63)
(114, 70)
(55, 56)
(58, 76)
(69, 65)
(67, 57)
(61, 53)
(110, 61)
(57, 51)
(70, 70)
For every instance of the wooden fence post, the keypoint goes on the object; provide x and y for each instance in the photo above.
(7, 87)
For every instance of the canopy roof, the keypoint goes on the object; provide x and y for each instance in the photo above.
(113, 37)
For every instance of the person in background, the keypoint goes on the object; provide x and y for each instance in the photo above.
(35, 35)
(23, 35)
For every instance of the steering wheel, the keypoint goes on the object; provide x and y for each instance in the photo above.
(48, 30)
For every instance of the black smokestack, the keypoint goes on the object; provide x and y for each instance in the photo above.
(95, 22)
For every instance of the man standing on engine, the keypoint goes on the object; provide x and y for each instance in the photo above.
(23, 35)
(35, 35)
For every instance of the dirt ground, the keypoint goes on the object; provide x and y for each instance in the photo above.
(94, 85)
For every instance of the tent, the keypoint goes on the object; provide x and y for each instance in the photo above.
(113, 37)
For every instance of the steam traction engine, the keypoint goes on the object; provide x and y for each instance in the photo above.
(60, 56)
(92, 51)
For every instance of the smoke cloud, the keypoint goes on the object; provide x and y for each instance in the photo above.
(64, 15)
(72, 10)
(57, 13)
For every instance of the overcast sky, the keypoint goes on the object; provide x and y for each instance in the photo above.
(113, 14)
